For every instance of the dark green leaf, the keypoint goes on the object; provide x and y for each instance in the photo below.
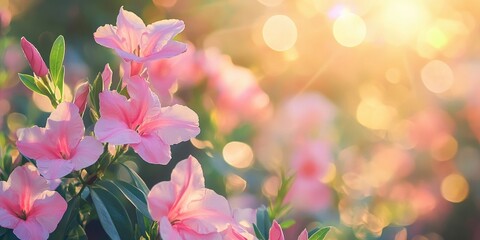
(2, 231)
(57, 55)
(258, 234)
(112, 214)
(95, 89)
(135, 196)
(77, 233)
(67, 219)
(320, 234)
(29, 82)
(263, 221)
(137, 180)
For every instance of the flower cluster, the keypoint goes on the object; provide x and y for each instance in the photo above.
(67, 179)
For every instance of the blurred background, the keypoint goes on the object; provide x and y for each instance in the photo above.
(374, 105)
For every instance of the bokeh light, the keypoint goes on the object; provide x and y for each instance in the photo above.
(437, 76)
(454, 188)
(280, 33)
(238, 154)
(349, 30)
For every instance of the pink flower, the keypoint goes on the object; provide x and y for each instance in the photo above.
(34, 58)
(276, 233)
(142, 123)
(60, 147)
(81, 96)
(185, 209)
(28, 206)
(133, 41)
(107, 77)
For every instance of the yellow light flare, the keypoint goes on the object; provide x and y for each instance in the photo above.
(330, 174)
(270, 3)
(270, 186)
(437, 76)
(393, 75)
(235, 183)
(238, 154)
(436, 37)
(444, 147)
(454, 188)
(280, 33)
(402, 20)
(15, 121)
(349, 30)
(43, 103)
(373, 114)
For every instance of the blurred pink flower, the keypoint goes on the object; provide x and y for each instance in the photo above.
(81, 96)
(142, 123)
(34, 58)
(276, 233)
(13, 59)
(60, 147)
(185, 209)
(5, 18)
(184, 70)
(137, 43)
(28, 206)
(429, 125)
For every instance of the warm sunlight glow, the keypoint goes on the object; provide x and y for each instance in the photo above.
(280, 33)
(454, 188)
(238, 154)
(349, 30)
(437, 76)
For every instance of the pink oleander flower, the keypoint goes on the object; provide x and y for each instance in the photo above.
(185, 209)
(137, 43)
(28, 206)
(60, 147)
(142, 123)
(107, 77)
(34, 58)
(310, 163)
(81, 96)
(276, 232)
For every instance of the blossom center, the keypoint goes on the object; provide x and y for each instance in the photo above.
(22, 215)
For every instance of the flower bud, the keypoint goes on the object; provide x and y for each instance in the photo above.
(81, 95)
(107, 77)
(34, 58)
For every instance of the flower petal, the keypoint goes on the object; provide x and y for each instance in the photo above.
(171, 49)
(31, 230)
(27, 183)
(86, 153)
(114, 106)
(130, 29)
(107, 77)
(56, 168)
(152, 149)
(48, 210)
(177, 123)
(65, 125)
(276, 232)
(160, 34)
(303, 235)
(115, 132)
(8, 204)
(188, 174)
(34, 143)
(107, 36)
(167, 231)
(160, 200)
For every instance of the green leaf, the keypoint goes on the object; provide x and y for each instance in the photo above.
(258, 234)
(320, 234)
(131, 193)
(263, 221)
(137, 180)
(95, 89)
(135, 196)
(57, 55)
(77, 233)
(2, 231)
(112, 214)
(29, 82)
(287, 223)
(67, 219)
